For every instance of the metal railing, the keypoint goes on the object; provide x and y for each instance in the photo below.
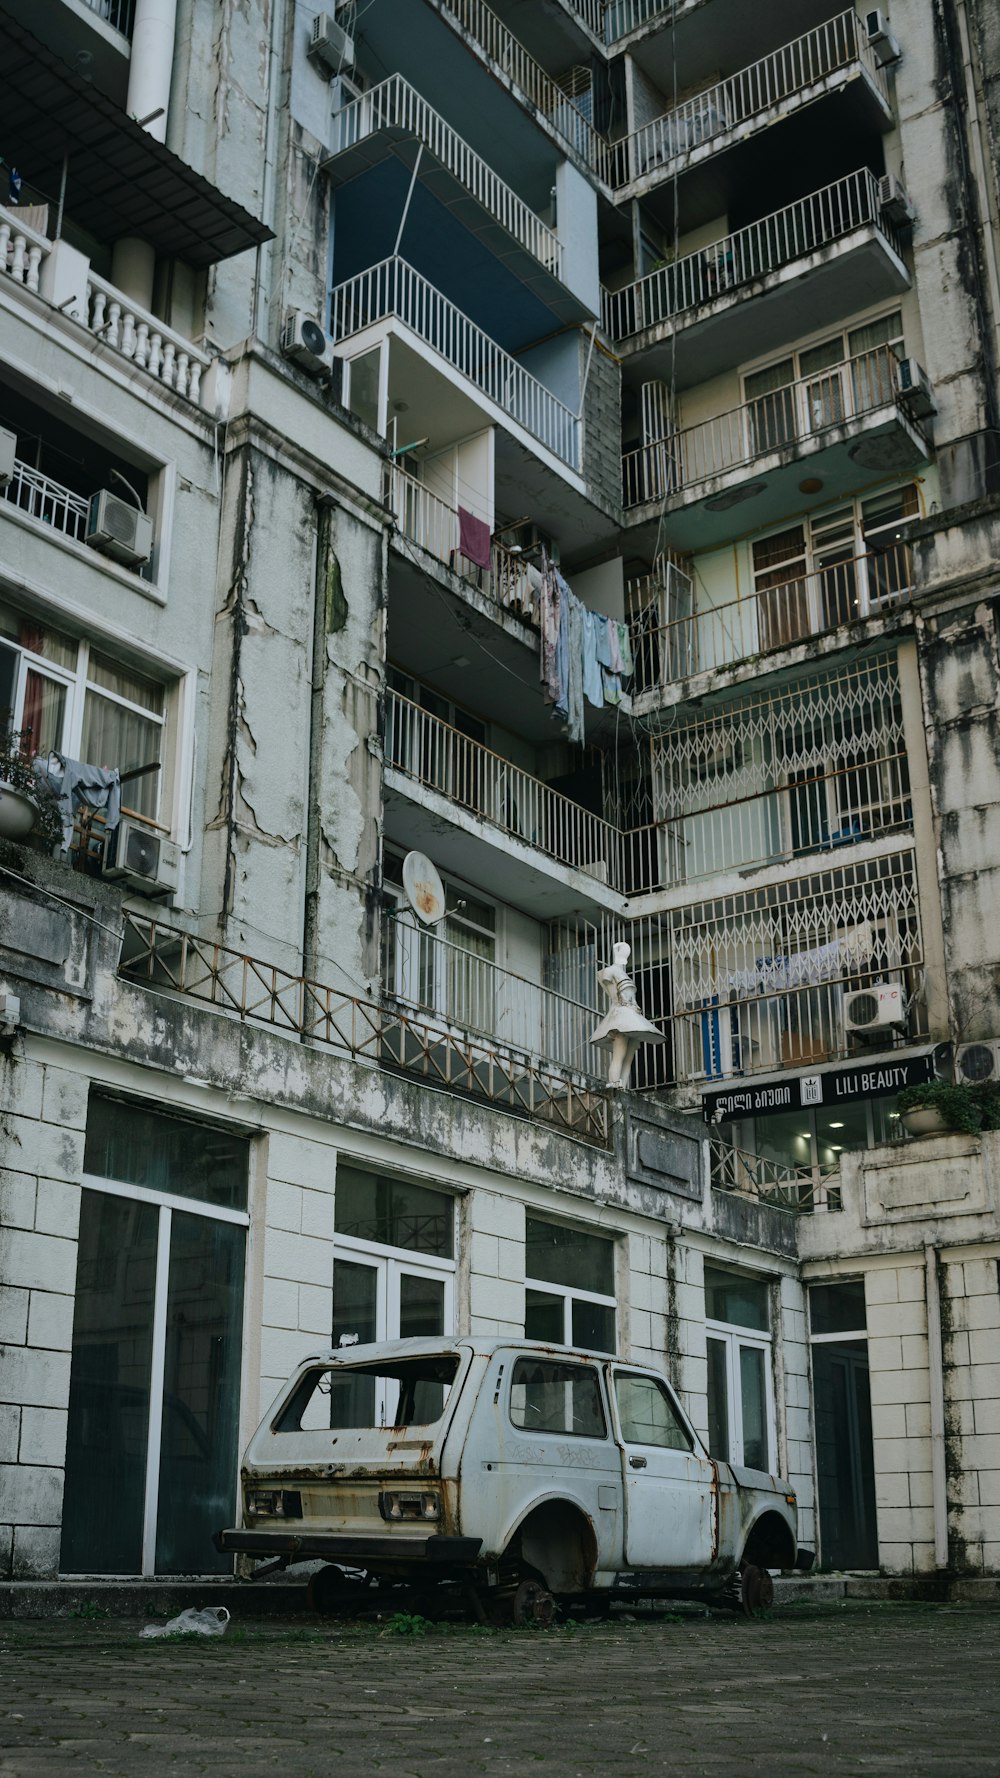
(502, 48)
(754, 1176)
(430, 522)
(773, 617)
(120, 14)
(738, 100)
(623, 16)
(434, 754)
(42, 498)
(393, 288)
(751, 253)
(450, 986)
(396, 105)
(367, 1031)
(22, 250)
(592, 13)
(780, 420)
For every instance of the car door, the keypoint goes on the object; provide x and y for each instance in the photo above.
(667, 1483)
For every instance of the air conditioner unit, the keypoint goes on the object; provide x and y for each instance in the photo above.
(146, 861)
(893, 200)
(330, 47)
(8, 447)
(868, 1009)
(880, 37)
(914, 389)
(306, 343)
(978, 1061)
(119, 529)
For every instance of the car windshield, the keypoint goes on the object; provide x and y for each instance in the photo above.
(406, 1392)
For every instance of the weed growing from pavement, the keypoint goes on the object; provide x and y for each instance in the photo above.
(407, 1623)
(88, 1609)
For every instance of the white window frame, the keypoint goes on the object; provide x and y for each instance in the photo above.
(570, 1294)
(389, 1264)
(167, 1203)
(734, 1337)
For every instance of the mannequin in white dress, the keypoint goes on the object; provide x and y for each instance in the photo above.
(623, 1027)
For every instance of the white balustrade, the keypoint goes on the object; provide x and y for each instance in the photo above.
(144, 340)
(396, 105)
(798, 413)
(44, 499)
(486, 785)
(751, 253)
(393, 288)
(22, 250)
(752, 93)
(669, 644)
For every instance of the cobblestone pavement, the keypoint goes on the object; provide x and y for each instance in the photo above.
(851, 1689)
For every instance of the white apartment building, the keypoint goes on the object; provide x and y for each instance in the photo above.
(331, 343)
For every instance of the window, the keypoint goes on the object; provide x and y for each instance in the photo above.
(647, 1415)
(408, 1393)
(833, 568)
(823, 384)
(60, 693)
(569, 1296)
(364, 391)
(563, 1398)
(394, 1267)
(152, 1438)
(740, 1390)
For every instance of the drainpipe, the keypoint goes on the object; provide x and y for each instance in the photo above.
(939, 1474)
(151, 66)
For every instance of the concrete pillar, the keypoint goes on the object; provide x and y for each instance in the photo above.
(576, 226)
(133, 263)
(925, 842)
(151, 64)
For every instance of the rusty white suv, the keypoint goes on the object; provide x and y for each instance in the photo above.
(518, 1472)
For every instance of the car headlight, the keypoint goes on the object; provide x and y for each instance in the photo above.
(409, 1506)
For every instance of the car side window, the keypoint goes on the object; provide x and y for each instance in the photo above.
(647, 1414)
(550, 1397)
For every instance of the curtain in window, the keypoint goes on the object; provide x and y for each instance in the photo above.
(115, 736)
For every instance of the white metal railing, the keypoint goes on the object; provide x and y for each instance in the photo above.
(434, 754)
(752, 93)
(592, 13)
(41, 498)
(430, 522)
(118, 13)
(394, 104)
(22, 250)
(738, 259)
(782, 419)
(667, 647)
(393, 288)
(147, 342)
(503, 49)
(623, 16)
(450, 985)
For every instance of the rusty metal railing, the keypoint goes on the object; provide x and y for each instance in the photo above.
(384, 1036)
(799, 1189)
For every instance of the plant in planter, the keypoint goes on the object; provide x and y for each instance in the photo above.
(940, 1105)
(28, 810)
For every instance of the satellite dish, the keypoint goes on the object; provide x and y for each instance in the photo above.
(423, 888)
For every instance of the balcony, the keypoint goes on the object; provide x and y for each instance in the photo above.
(801, 268)
(374, 127)
(365, 1031)
(393, 291)
(528, 836)
(675, 637)
(509, 582)
(119, 14)
(740, 470)
(46, 501)
(688, 150)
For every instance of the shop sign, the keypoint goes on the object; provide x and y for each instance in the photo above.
(835, 1086)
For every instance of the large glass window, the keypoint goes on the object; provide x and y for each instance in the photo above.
(740, 1390)
(569, 1286)
(563, 1398)
(152, 1440)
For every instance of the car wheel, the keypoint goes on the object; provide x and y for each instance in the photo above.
(533, 1604)
(332, 1590)
(756, 1590)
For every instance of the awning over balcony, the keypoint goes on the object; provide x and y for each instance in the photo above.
(119, 180)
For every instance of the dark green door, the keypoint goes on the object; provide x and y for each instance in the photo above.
(844, 1462)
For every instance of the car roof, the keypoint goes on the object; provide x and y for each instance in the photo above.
(479, 1346)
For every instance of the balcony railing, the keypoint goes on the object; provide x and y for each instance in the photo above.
(752, 93)
(502, 48)
(468, 993)
(592, 13)
(120, 14)
(623, 16)
(783, 1187)
(438, 756)
(436, 527)
(396, 105)
(371, 1033)
(393, 289)
(112, 318)
(703, 638)
(42, 498)
(796, 414)
(751, 253)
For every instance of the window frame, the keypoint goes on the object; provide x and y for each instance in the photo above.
(568, 1294)
(733, 1336)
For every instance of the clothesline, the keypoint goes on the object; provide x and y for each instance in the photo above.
(771, 975)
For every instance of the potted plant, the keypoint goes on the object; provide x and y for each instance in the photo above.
(941, 1105)
(27, 807)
